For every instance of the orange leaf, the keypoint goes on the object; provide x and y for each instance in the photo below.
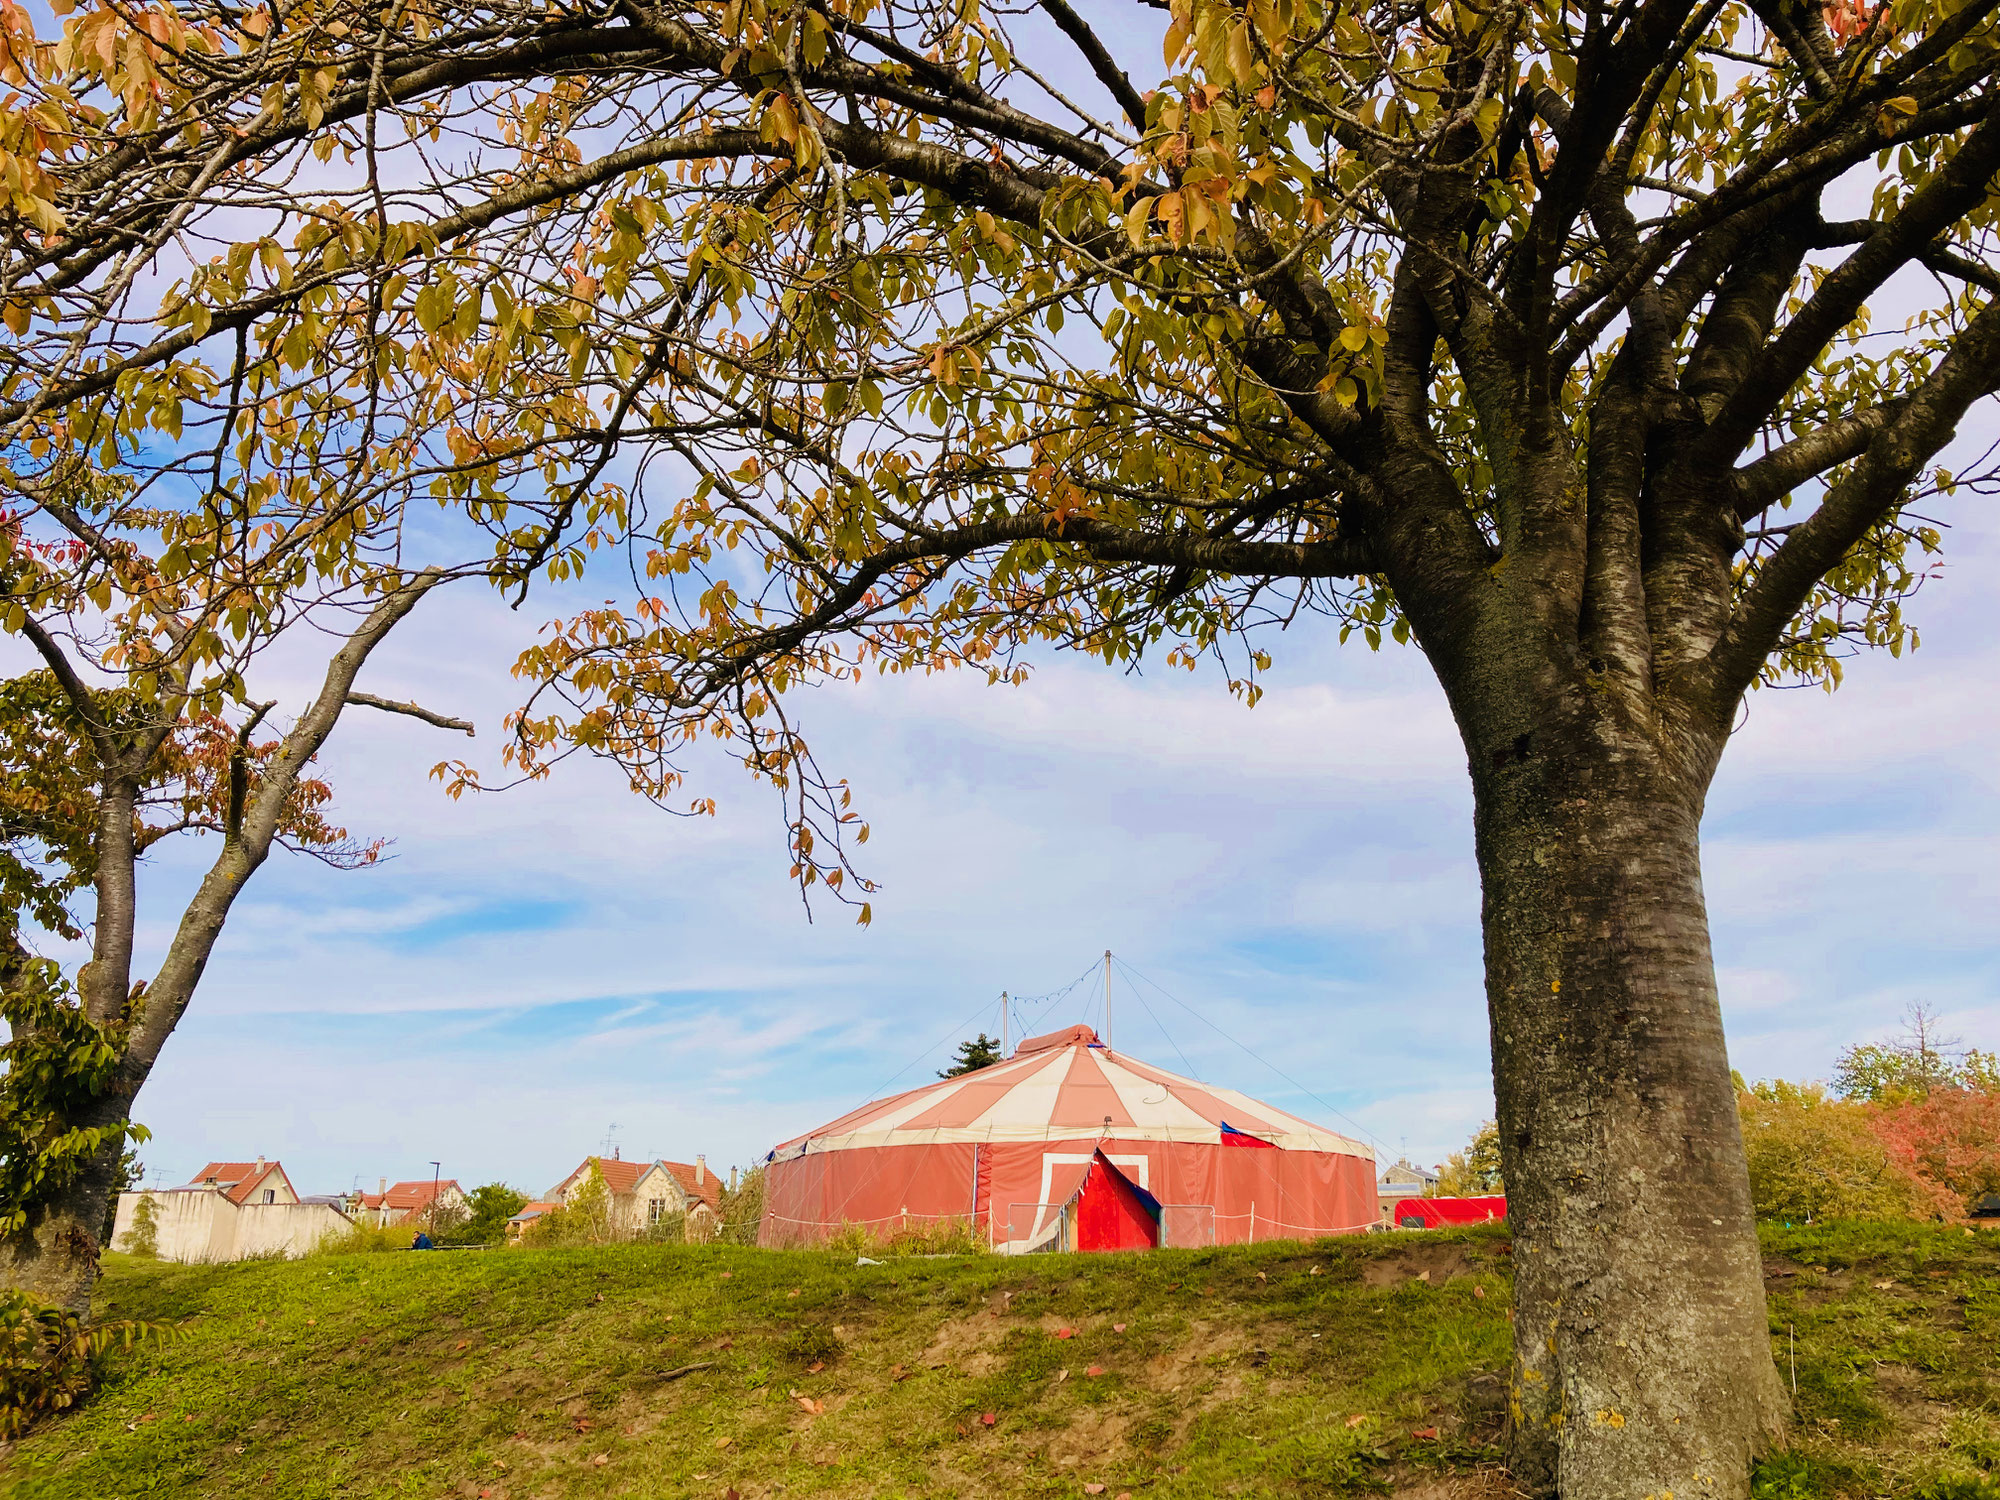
(1093, 1489)
(1065, 1333)
(1428, 1434)
(1094, 1371)
(987, 1419)
(1117, 1327)
(1357, 1419)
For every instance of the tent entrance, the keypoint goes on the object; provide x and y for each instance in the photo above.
(1113, 1212)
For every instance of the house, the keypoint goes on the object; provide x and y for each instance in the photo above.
(410, 1202)
(518, 1225)
(1400, 1182)
(644, 1193)
(230, 1211)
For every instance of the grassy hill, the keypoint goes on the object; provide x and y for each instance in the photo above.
(1348, 1367)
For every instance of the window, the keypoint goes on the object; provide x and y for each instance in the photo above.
(270, 1195)
(656, 1210)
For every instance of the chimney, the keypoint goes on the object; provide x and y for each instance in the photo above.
(381, 1187)
(700, 1169)
(614, 1153)
(732, 1179)
(260, 1166)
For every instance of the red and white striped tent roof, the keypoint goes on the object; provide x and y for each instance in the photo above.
(1066, 1086)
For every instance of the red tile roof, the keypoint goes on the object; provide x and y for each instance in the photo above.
(239, 1179)
(708, 1191)
(415, 1195)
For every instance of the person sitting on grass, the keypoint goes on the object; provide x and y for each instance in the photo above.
(422, 1241)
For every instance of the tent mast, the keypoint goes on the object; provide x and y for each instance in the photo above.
(1003, 1025)
(1107, 999)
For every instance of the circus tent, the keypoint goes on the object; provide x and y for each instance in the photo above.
(1070, 1145)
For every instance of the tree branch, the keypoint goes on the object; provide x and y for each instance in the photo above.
(1761, 484)
(414, 710)
(1869, 492)
(1108, 72)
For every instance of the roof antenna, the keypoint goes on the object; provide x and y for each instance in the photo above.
(1107, 999)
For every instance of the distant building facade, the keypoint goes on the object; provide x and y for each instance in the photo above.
(409, 1202)
(642, 1193)
(231, 1211)
(1401, 1181)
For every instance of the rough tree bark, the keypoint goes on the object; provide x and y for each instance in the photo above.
(1642, 1354)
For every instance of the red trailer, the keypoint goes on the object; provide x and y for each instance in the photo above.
(1440, 1213)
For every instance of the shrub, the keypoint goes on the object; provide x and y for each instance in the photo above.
(743, 1210)
(142, 1235)
(49, 1357)
(1948, 1141)
(367, 1239)
(1815, 1157)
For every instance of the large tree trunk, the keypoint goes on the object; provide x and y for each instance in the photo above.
(1643, 1363)
(54, 1256)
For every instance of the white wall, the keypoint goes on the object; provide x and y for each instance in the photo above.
(200, 1226)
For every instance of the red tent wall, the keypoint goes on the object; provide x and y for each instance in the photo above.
(1109, 1215)
(1213, 1194)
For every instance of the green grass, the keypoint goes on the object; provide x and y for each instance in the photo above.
(546, 1375)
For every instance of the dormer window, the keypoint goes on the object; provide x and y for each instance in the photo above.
(270, 1195)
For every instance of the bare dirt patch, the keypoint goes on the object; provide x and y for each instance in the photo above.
(1436, 1264)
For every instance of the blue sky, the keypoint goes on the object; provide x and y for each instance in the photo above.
(534, 968)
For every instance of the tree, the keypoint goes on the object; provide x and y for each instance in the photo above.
(741, 1210)
(982, 1052)
(150, 620)
(489, 1208)
(142, 1237)
(926, 338)
(1815, 1157)
(1915, 1065)
(1949, 1140)
(1473, 1171)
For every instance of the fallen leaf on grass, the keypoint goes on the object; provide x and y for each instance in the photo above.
(732, 1494)
(1061, 1376)
(599, 1460)
(1093, 1489)
(793, 1292)
(1357, 1419)
(583, 1424)
(1479, 1291)
(462, 1344)
(1117, 1327)
(1883, 1286)
(987, 1419)
(815, 1367)
(1423, 1276)
(897, 1372)
(310, 1322)
(1262, 1277)
(500, 1463)
(1065, 1333)
(1094, 1371)
(809, 1406)
(1313, 1272)
(727, 1274)
(723, 1442)
(1426, 1434)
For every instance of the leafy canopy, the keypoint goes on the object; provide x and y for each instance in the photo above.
(910, 336)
